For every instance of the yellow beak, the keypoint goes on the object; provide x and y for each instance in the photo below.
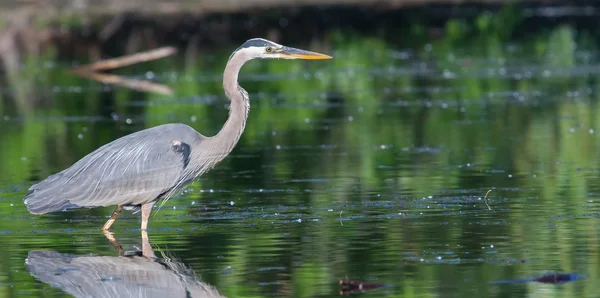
(293, 53)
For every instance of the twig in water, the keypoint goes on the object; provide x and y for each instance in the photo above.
(92, 71)
(127, 60)
(341, 218)
(138, 85)
(485, 199)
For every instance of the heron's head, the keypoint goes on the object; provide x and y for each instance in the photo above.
(265, 49)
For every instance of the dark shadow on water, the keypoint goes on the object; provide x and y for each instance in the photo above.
(348, 287)
(127, 275)
(550, 278)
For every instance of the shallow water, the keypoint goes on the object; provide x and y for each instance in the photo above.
(358, 168)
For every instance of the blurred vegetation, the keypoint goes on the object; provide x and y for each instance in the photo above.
(484, 105)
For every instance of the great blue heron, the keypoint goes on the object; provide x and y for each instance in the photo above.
(137, 170)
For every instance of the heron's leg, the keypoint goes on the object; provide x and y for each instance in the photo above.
(146, 247)
(112, 218)
(146, 209)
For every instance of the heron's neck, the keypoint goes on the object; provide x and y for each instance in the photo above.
(230, 134)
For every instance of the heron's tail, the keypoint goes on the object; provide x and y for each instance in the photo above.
(40, 204)
(45, 197)
(42, 209)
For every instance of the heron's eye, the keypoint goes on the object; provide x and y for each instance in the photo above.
(269, 49)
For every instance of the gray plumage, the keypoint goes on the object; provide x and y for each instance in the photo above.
(103, 276)
(137, 170)
(130, 171)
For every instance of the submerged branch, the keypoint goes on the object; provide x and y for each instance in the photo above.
(485, 199)
(91, 71)
(112, 63)
(139, 85)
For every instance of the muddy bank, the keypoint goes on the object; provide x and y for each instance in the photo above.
(157, 7)
(232, 21)
(93, 29)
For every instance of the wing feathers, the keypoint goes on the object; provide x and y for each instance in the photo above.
(132, 170)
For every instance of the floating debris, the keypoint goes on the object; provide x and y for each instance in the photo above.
(348, 287)
(551, 278)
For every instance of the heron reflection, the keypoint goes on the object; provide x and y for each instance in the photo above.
(117, 276)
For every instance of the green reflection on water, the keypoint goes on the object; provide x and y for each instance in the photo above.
(367, 134)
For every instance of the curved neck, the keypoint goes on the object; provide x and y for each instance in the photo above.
(229, 135)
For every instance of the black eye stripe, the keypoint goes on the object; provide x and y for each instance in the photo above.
(257, 42)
